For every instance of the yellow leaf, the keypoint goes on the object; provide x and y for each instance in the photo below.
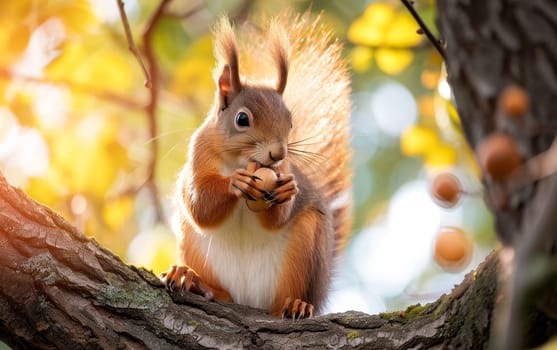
(165, 255)
(379, 13)
(393, 61)
(77, 15)
(401, 32)
(88, 162)
(73, 53)
(46, 189)
(364, 33)
(116, 212)
(418, 140)
(95, 64)
(111, 71)
(18, 19)
(361, 58)
(193, 77)
(442, 155)
(15, 32)
(370, 28)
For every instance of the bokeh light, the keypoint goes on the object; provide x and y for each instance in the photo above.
(394, 108)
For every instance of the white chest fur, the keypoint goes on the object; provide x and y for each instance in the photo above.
(246, 258)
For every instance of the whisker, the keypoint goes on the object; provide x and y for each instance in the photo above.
(303, 140)
(240, 146)
(307, 153)
(170, 150)
(312, 160)
(165, 134)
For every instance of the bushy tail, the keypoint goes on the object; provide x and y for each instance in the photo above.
(317, 93)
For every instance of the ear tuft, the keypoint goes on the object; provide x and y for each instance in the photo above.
(281, 53)
(227, 58)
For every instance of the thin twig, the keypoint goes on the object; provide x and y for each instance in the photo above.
(131, 44)
(151, 108)
(409, 5)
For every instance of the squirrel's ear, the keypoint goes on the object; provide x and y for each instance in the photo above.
(227, 83)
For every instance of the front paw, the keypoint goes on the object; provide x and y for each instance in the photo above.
(296, 309)
(185, 278)
(287, 188)
(243, 183)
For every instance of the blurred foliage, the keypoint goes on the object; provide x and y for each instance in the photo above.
(74, 129)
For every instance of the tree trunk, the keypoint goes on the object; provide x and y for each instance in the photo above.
(59, 289)
(492, 45)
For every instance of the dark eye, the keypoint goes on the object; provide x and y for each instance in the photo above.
(242, 120)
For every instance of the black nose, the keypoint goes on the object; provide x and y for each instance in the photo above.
(277, 154)
(277, 151)
(275, 158)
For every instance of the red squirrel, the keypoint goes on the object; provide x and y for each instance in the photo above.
(279, 258)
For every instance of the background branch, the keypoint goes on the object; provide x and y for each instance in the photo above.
(131, 43)
(409, 4)
(153, 83)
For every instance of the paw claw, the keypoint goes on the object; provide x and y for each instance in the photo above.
(286, 188)
(183, 278)
(296, 309)
(269, 196)
(243, 184)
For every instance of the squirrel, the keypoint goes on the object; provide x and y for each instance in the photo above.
(280, 258)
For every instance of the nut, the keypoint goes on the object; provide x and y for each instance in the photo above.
(446, 190)
(499, 155)
(514, 101)
(268, 182)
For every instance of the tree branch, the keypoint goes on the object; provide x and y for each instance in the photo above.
(151, 108)
(153, 83)
(409, 4)
(131, 43)
(59, 289)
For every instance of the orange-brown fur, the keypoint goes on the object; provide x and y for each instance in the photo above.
(310, 93)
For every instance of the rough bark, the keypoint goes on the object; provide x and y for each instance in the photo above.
(59, 289)
(490, 46)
